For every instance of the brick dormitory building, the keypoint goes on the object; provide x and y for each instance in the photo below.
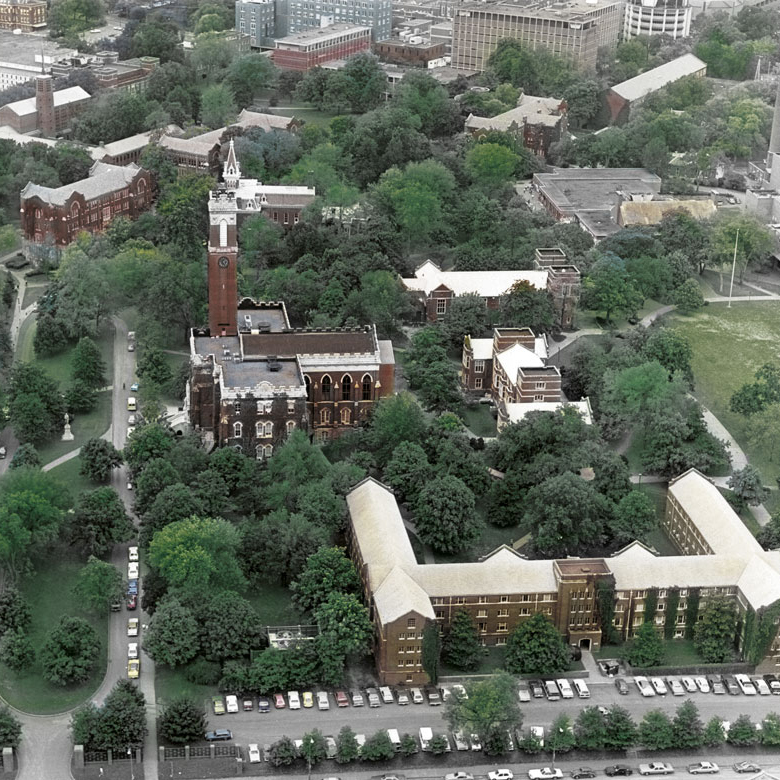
(254, 379)
(718, 556)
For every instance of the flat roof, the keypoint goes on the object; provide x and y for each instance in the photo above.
(541, 9)
(23, 48)
(322, 34)
(311, 342)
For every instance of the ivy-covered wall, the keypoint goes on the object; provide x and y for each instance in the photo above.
(651, 605)
(759, 632)
(672, 603)
(691, 612)
(605, 604)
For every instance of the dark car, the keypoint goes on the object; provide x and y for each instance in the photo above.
(622, 686)
(116, 605)
(618, 770)
(537, 689)
(731, 685)
(132, 602)
(248, 705)
(716, 684)
(132, 587)
(746, 766)
(583, 771)
(773, 682)
(219, 735)
(263, 704)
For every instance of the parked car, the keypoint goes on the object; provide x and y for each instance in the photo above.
(341, 699)
(132, 419)
(703, 684)
(564, 686)
(132, 650)
(323, 702)
(357, 699)
(459, 776)
(645, 686)
(537, 732)
(510, 743)
(248, 705)
(403, 697)
(218, 705)
(116, 605)
(658, 686)
(218, 735)
(133, 668)
(132, 554)
(731, 685)
(132, 627)
(582, 772)
(372, 694)
(500, 774)
(386, 693)
(523, 695)
(293, 700)
(622, 686)
(308, 699)
(134, 387)
(434, 699)
(475, 742)
(761, 686)
(267, 751)
(618, 770)
(279, 702)
(703, 768)
(773, 682)
(417, 696)
(676, 687)
(545, 773)
(656, 768)
(716, 684)
(331, 747)
(745, 684)
(263, 704)
(537, 689)
(132, 587)
(132, 602)
(231, 704)
(253, 752)
(459, 690)
(461, 740)
(745, 767)
(689, 684)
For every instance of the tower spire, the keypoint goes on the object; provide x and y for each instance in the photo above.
(231, 171)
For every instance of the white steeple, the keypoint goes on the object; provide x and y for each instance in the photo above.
(231, 171)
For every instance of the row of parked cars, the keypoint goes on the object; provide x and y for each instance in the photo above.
(619, 770)
(373, 697)
(734, 684)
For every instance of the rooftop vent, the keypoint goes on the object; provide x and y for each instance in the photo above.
(264, 327)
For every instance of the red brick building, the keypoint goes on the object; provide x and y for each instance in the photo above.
(52, 217)
(253, 378)
(24, 15)
(310, 48)
(49, 112)
(399, 52)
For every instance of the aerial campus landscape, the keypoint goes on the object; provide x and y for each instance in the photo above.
(390, 389)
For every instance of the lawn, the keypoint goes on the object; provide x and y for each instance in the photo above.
(491, 538)
(309, 115)
(480, 421)
(68, 473)
(32, 293)
(588, 318)
(728, 346)
(48, 592)
(172, 684)
(273, 603)
(59, 367)
(492, 661)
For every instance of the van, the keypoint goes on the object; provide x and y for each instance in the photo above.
(387, 694)
(565, 688)
(417, 696)
(132, 406)
(426, 735)
(394, 739)
(581, 688)
(551, 689)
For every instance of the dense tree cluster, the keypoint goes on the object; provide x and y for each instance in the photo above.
(116, 725)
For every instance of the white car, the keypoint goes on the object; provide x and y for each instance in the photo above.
(500, 774)
(254, 753)
(745, 684)
(293, 700)
(132, 650)
(689, 684)
(656, 768)
(132, 627)
(459, 776)
(231, 704)
(475, 743)
(703, 768)
(702, 684)
(386, 692)
(132, 419)
(658, 686)
(545, 773)
(322, 700)
(417, 696)
(132, 570)
(459, 690)
(523, 694)
(675, 686)
(461, 740)
(761, 686)
(537, 732)
(132, 554)
(645, 688)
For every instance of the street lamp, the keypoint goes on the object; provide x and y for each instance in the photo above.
(130, 754)
(554, 744)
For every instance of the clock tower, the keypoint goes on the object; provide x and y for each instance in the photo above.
(223, 252)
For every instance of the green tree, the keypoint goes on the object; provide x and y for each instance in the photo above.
(69, 17)
(25, 457)
(621, 730)
(16, 651)
(182, 721)
(173, 635)
(408, 470)
(466, 315)
(408, 745)
(647, 649)
(10, 728)
(198, 555)
(770, 730)
(526, 307)
(153, 367)
(656, 731)
(714, 733)
(742, 732)
(327, 570)
(715, 630)
(347, 748)
(98, 459)
(249, 74)
(146, 443)
(80, 398)
(561, 737)
(461, 647)
(36, 406)
(366, 81)
(70, 651)
(15, 614)
(217, 107)
(754, 243)
(491, 707)
(672, 350)
(590, 729)
(608, 288)
(445, 515)
(536, 647)
(172, 503)
(747, 485)
(378, 747)
(313, 748)
(688, 297)
(431, 651)
(688, 727)
(99, 584)
(344, 620)
(634, 517)
(229, 627)
(396, 418)
(100, 521)
(88, 364)
(491, 165)
(157, 36)
(283, 752)
(83, 296)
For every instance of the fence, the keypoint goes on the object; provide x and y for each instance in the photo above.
(187, 753)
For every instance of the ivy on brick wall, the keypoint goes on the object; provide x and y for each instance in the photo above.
(605, 603)
(672, 602)
(691, 612)
(759, 636)
(651, 605)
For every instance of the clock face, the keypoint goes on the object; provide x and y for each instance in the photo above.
(223, 262)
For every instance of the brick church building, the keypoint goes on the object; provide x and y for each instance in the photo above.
(253, 378)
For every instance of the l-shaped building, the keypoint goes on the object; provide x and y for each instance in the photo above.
(718, 556)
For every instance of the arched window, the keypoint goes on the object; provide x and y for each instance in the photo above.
(259, 452)
(223, 233)
(346, 416)
(74, 210)
(269, 429)
(268, 450)
(326, 388)
(141, 187)
(346, 387)
(238, 430)
(308, 387)
(290, 425)
(367, 387)
(325, 416)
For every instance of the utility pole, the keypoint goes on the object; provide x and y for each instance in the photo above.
(733, 267)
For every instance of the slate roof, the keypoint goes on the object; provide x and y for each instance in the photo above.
(103, 179)
(536, 110)
(652, 80)
(61, 98)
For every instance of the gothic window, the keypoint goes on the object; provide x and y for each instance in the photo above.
(290, 425)
(326, 388)
(259, 452)
(325, 416)
(366, 387)
(237, 430)
(268, 450)
(345, 416)
(308, 387)
(346, 388)
(269, 429)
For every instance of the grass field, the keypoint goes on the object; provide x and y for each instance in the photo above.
(172, 684)
(480, 421)
(273, 603)
(728, 346)
(68, 473)
(587, 318)
(48, 592)
(59, 367)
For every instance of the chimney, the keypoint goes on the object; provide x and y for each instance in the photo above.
(44, 105)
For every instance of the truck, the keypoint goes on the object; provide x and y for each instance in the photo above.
(426, 736)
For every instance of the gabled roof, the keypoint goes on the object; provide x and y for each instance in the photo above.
(399, 594)
(61, 98)
(534, 110)
(653, 80)
(513, 358)
(102, 180)
(759, 583)
(488, 284)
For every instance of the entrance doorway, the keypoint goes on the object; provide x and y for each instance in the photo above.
(585, 644)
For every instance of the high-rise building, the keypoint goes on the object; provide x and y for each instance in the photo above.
(657, 17)
(257, 19)
(575, 29)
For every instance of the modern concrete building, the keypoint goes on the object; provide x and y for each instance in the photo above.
(624, 96)
(657, 17)
(574, 29)
(257, 19)
(309, 49)
(718, 557)
(24, 15)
